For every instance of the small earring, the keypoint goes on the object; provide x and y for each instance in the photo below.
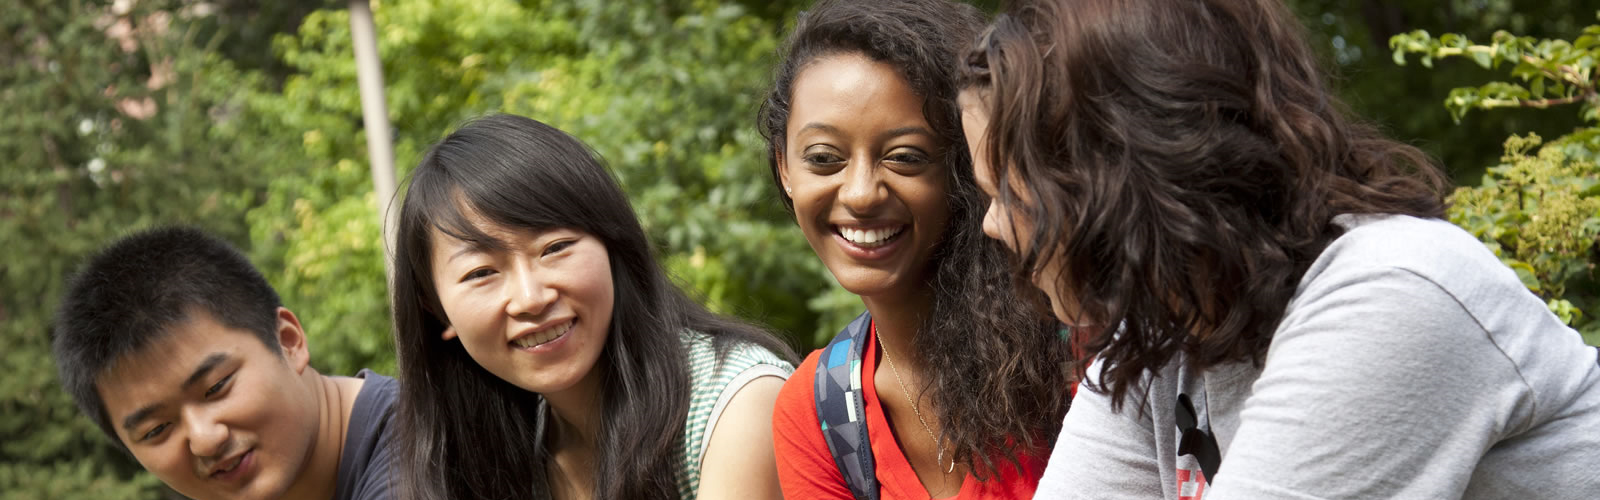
(788, 190)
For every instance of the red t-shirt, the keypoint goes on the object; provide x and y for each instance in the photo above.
(806, 468)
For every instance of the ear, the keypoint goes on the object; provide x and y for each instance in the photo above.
(783, 171)
(449, 334)
(292, 340)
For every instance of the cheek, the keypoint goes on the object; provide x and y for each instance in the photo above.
(468, 316)
(928, 196)
(805, 191)
(166, 462)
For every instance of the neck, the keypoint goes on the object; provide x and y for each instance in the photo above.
(576, 414)
(321, 470)
(572, 436)
(898, 318)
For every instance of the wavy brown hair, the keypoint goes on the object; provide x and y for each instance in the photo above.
(1001, 384)
(1183, 162)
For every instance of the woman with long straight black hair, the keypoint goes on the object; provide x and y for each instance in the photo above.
(544, 353)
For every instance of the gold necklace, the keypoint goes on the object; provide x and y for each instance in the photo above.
(938, 460)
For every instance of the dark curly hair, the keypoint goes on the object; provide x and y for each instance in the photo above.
(1183, 162)
(1002, 383)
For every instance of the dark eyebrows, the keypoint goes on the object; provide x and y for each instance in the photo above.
(137, 416)
(476, 245)
(206, 366)
(904, 131)
(820, 126)
(465, 249)
(886, 135)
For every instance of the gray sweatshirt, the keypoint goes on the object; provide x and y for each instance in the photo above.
(1411, 363)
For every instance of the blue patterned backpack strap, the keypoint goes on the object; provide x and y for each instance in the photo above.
(841, 408)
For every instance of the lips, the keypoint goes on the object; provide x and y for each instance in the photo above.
(869, 242)
(544, 335)
(232, 469)
(869, 237)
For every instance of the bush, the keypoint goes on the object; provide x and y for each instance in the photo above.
(1539, 209)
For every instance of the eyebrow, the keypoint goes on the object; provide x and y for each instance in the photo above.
(465, 249)
(206, 366)
(886, 135)
(820, 126)
(904, 131)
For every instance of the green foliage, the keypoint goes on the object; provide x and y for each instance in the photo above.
(1556, 72)
(1539, 209)
(1354, 37)
(104, 110)
(195, 121)
(664, 93)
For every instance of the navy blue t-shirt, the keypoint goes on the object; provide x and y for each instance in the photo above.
(366, 469)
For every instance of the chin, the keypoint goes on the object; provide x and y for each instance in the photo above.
(867, 282)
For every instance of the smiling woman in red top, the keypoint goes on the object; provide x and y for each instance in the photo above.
(866, 143)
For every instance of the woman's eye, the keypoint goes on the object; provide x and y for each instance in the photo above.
(477, 273)
(153, 432)
(558, 246)
(219, 386)
(823, 159)
(908, 157)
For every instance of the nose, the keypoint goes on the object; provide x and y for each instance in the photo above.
(208, 436)
(995, 227)
(863, 188)
(526, 293)
(992, 223)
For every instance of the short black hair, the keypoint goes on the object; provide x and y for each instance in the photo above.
(132, 292)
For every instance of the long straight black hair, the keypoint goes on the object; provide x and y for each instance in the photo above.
(467, 434)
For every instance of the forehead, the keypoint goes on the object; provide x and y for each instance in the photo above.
(157, 371)
(854, 89)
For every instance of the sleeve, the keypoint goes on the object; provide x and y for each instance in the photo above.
(380, 485)
(378, 479)
(1378, 384)
(761, 364)
(805, 466)
(1102, 454)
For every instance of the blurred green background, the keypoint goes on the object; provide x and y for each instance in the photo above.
(243, 117)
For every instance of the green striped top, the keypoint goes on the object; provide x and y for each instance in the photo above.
(714, 382)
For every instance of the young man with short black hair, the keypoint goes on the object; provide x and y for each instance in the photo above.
(181, 351)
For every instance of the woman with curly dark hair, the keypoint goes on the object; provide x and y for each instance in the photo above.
(949, 385)
(1277, 309)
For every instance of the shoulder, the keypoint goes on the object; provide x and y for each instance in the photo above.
(377, 385)
(795, 400)
(1432, 249)
(376, 399)
(712, 366)
(1440, 268)
(368, 459)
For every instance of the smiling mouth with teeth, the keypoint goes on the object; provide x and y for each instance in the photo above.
(544, 336)
(869, 238)
(236, 463)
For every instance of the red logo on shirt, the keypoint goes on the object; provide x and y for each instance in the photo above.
(1191, 485)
